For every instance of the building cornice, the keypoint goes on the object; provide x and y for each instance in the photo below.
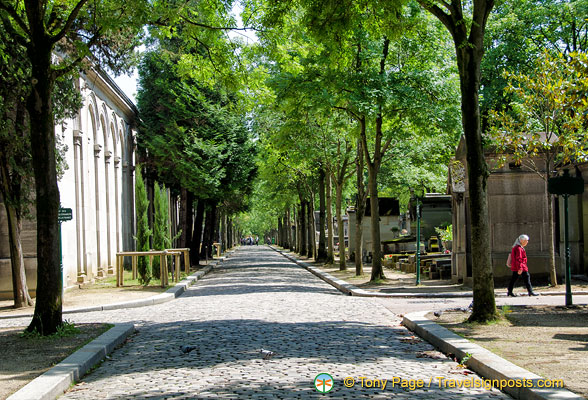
(96, 78)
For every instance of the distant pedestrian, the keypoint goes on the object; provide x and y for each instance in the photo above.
(518, 266)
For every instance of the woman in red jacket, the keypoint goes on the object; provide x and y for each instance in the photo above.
(518, 266)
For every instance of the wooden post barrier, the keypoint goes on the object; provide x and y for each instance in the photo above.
(134, 262)
(163, 263)
(163, 272)
(218, 248)
(186, 252)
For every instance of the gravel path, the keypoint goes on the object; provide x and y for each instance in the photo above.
(255, 300)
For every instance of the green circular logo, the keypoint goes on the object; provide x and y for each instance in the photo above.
(324, 382)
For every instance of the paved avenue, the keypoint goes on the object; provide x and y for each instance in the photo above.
(255, 300)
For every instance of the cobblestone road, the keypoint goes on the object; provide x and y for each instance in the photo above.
(258, 299)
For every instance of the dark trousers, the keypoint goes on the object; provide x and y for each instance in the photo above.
(526, 280)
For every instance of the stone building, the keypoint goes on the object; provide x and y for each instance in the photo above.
(98, 186)
(390, 225)
(516, 204)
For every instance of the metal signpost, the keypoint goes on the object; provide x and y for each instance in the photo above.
(418, 242)
(566, 186)
(64, 215)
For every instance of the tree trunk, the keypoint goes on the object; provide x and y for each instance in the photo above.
(469, 49)
(484, 308)
(302, 222)
(296, 233)
(209, 231)
(48, 307)
(311, 230)
(280, 233)
(330, 233)
(341, 228)
(13, 172)
(186, 220)
(551, 229)
(20, 289)
(229, 232)
(373, 169)
(377, 271)
(224, 236)
(206, 233)
(215, 228)
(297, 229)
(197, 233)
(288, 229)
(322, 250)
(11, 191)
(359, 207)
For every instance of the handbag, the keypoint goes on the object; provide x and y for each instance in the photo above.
(508, 262)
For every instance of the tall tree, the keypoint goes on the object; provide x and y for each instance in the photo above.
(203, 127)
(75, 30)
(467, 25)
(350, 62)
(322, 249)
(360, 200)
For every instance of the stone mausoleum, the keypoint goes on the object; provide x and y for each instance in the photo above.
(98, 186)
(517, 205)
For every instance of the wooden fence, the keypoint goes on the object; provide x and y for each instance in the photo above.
(162, 254)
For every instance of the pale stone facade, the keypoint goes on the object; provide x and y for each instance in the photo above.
(517, 204)
(98, 186)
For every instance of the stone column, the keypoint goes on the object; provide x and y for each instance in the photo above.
(117, 212)
(107, 158)
(79, 209)
(97, 151)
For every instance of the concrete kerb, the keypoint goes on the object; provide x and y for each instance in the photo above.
(484, 362)
(170, 294)
(353, 290)
(58, 379)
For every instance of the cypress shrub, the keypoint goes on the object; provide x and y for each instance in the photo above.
(161, 239)
(143, 231)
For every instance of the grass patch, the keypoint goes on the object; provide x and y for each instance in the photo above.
(110, 281)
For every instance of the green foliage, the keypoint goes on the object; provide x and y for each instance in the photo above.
(195, 136)
(519, 32)
(16, 181)
(547, 117)
(326, 75)
(445, 233)
(464, 361)
(65, 329)
(143, 231)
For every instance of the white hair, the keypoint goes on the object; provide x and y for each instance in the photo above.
(518, 241)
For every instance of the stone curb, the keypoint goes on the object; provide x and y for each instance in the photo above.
(353, 290)
(58, 379)
(170, 294)
(484, 362)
